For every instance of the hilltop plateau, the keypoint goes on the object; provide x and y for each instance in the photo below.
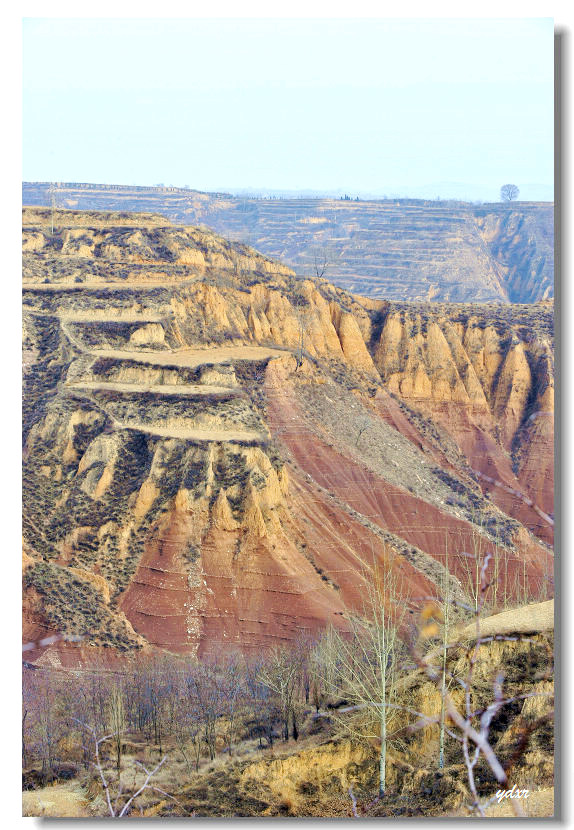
(402, 249)
(216, 450)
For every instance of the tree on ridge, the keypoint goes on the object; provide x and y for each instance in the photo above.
(509, 192)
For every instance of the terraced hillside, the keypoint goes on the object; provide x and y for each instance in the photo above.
(216, 452)
(395, 250)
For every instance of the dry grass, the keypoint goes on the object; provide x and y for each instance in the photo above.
(539, 804)
(57, 801)
(536, 617)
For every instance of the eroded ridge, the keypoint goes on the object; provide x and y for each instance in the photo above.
(219, 460)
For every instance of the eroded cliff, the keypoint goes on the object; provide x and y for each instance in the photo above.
(217, 452)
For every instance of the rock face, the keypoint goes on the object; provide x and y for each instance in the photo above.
(216, 451)
(487, 378)
(395, 249)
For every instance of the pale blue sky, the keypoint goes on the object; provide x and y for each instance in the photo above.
(358, 105)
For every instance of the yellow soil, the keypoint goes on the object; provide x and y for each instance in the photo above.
(106, 315)
(58, 801)
(314, 765)
(37, 215)
(536, 617)
(539, 804)
(109, 286)
(197, 434)
(193, 357)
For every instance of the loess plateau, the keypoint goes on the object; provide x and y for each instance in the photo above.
(217, 451)
(396, 249)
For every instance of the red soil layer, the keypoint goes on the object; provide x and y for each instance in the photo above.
(387, 505)
(255, 592)
(537, 465)
(347, 550)
(473, 433)
(158, 599)
(266, 594)
(76, 656)
(249, 592)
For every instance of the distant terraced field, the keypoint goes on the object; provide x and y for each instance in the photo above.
(394, 249)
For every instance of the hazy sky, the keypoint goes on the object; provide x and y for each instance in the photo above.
(360, 105)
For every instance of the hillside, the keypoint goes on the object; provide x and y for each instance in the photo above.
(330, 768)
(216, 450)
(409, 250)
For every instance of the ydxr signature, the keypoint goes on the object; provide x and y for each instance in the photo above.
(513, 793)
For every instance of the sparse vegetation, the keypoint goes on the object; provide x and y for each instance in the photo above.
(394, 249)
(72, 606)
(223, 725)
(209, 451)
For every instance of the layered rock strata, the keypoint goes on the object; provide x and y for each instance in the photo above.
(217, 454)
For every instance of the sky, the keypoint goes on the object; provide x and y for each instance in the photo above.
(394, 107)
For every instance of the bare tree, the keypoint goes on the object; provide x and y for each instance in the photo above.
(261, 703)
(363, 425)
(445, 635)
(509, 192)
(116, 808)
(281, 674)
(366, 662)
(203, 684)
(118, 723)
(46, 725)
(471, 726)
(24, 751)
(52, 190)
(301, 313)
(187, 727)
(320, 262)
(323, 667)
(231, 694)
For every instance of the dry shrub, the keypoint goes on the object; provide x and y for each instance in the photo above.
(285, 807)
